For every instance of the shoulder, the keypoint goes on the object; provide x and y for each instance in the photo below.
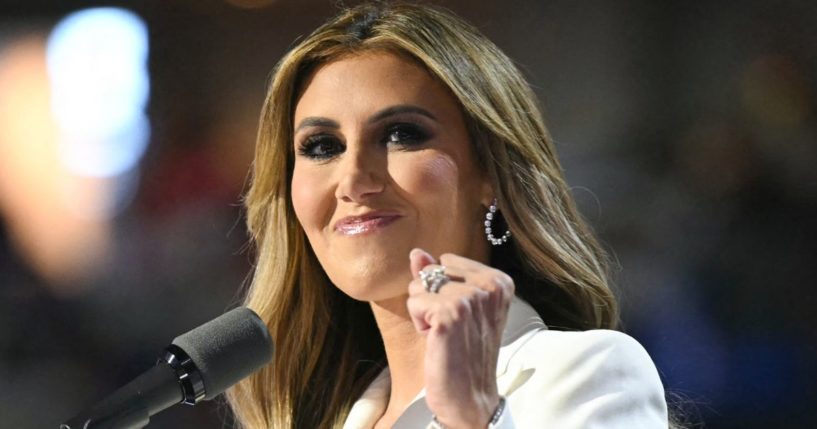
(581, 378)
(610, 347)
(600, 357)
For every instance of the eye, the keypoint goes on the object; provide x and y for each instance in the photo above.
(405, 134)
(321, 147)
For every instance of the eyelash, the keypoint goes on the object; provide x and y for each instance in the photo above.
(412, 134)
(324, 146)
(311, 145)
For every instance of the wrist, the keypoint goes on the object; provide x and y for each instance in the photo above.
(485, 418)
(498, 412)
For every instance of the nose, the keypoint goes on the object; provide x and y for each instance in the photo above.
(361, 175)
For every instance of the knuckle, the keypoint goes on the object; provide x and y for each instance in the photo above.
(497, 282)
(482, 297)
(445, 258)
(413, 303)
(480, 294)
(509, 285)
(501, 279)
(461, 308)
(442, 328)
(494, 280)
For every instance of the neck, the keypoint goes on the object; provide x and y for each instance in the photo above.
(405, 351)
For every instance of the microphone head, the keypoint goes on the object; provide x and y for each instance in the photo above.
(227, 349)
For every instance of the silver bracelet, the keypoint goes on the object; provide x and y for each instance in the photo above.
(494, 418)
(498, 412)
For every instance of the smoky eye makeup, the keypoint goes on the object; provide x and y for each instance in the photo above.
(395, 132)
(405, 135)
(320, 146)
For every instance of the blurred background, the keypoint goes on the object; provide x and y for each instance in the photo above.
(688, 131)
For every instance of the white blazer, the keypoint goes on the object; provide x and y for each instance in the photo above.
(550, 379)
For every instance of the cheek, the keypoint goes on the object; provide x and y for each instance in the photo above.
(432, 175)
(306, 199)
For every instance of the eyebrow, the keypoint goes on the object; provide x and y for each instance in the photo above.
(398, 110)
(314, 121)
(317, 122)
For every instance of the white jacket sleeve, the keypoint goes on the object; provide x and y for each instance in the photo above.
(582, 380)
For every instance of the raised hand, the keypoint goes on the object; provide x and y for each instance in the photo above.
(463, 324)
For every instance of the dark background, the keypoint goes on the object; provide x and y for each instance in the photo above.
(687, 131)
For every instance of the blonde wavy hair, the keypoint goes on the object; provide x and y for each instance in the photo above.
(328, 348)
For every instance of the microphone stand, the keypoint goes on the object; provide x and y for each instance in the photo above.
(173, 380)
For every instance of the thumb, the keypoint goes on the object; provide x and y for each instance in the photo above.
(419, 259)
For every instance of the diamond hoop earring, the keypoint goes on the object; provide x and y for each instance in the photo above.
(489, 233)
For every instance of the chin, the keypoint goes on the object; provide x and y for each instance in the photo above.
(367, 295)
(372, 292)
(369, 280)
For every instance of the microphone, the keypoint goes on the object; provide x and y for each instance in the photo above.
(196, 366)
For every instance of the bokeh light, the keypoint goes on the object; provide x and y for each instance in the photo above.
(97, 65)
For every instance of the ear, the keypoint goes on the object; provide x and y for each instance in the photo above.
(486, 195)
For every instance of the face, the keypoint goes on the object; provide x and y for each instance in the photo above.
(383, 164)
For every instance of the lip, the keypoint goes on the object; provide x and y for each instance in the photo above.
(368, 222)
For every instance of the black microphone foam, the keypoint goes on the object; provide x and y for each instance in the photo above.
(227, 349)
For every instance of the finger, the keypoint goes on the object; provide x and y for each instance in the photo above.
(453, 273)
(466, 264)
(447, 293)
(421, 306)
(453, 306)
(417, 287)
(480, 275)
(419, 258)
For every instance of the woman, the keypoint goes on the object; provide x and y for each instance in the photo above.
(419, 254)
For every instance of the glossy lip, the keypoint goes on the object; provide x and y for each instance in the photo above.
(368, 222)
